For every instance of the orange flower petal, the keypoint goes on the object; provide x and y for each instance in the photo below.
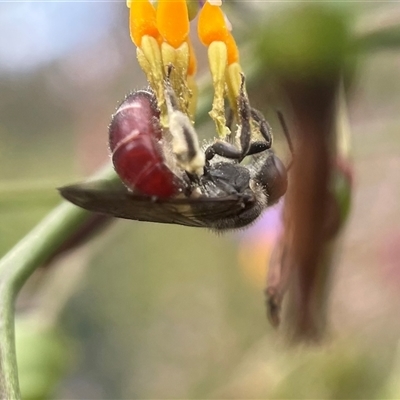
(233, 51)
(173, 21)
(142, 20)
(212, 26)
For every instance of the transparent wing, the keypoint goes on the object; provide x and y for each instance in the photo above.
(115, 200)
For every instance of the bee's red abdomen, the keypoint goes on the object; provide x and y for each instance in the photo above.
(137, 155)
(139, 164)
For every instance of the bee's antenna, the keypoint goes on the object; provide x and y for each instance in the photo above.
(244, 119)
(287, 136)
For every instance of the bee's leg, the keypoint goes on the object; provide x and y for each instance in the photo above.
(263, 125)
(244, 111)
(228, 150)
(223, 149)
(257, 147)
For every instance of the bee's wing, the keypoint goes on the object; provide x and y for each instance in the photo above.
(116, 200)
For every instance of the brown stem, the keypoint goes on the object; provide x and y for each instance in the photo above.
(306, 209)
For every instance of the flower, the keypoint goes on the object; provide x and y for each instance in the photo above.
(164, 49)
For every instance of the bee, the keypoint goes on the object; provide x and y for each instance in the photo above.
(167, 177)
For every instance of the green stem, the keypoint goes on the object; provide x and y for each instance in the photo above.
(16, 267)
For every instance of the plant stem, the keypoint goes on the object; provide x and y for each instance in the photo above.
(16, 267)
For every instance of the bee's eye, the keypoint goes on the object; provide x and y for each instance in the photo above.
(273, 177)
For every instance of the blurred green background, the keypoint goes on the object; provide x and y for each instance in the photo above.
(152, 311)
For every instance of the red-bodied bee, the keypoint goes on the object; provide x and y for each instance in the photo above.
(167, 178)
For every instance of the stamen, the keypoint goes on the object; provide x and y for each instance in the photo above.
(233, 82)
(191, 82)
(217, 56)
(179, 59)
(173, 21)
(149, 57)
(194, 94)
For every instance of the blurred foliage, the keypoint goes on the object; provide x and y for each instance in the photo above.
(44, 355)
(306, 43)
(169, 311)
(343, 371)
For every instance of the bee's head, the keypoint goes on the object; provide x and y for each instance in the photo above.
(272, 176)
